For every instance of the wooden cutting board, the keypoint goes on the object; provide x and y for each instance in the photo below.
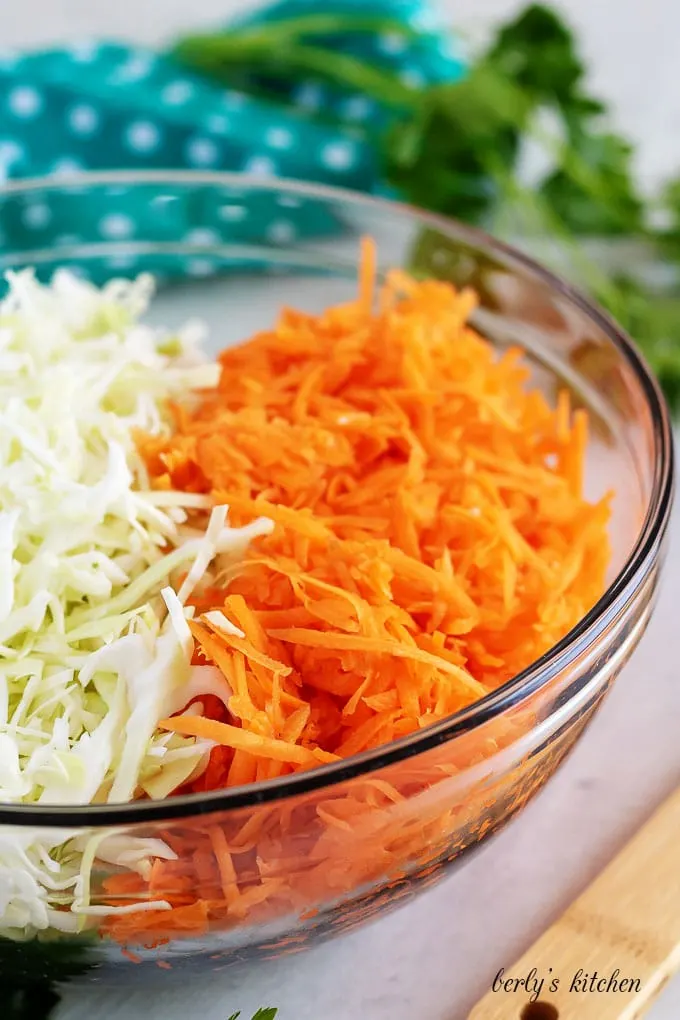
(614, 949)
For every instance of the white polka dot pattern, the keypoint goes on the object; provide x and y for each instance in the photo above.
(260, 166)
(279, 138)
(135, 69)
(281, 231)
(142, 136)
(218, 124)
(358, 108)
(338, 155)
(309, 96)
(203, 237)
(66, 167)
(392, 43)
(202, 152)
(232, 213)
(10, 152)
(83, 119)
(116, 227)
(24, 101)
(177, 93)
(37, 216)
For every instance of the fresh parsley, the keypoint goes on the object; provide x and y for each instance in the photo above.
(31, 974)
(269, 1013)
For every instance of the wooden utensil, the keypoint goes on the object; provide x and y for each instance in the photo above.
(614, 949)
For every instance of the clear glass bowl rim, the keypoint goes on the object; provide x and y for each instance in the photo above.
(586, 632)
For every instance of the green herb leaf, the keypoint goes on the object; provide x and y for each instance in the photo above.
(42, 961)
(297, 29)
(30, 970)
(606, 203)
(652, 319)
(290, 49)
(536, 51)
(268, 1013)
(36, 1003)
(669, 236)
(441, 158)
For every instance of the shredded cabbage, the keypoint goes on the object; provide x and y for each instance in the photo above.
(91, 656)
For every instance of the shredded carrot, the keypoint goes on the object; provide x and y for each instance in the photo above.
(241, 740)
(431, 540)
(132, 957)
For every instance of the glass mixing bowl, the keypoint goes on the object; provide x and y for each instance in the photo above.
(231, 251)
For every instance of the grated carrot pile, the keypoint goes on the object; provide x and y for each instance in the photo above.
(431, 540)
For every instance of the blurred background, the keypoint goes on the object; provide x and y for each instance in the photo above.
(630, 48)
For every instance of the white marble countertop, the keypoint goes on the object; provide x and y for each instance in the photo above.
(433, 958)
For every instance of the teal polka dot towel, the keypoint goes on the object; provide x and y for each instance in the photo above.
(108, 106)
